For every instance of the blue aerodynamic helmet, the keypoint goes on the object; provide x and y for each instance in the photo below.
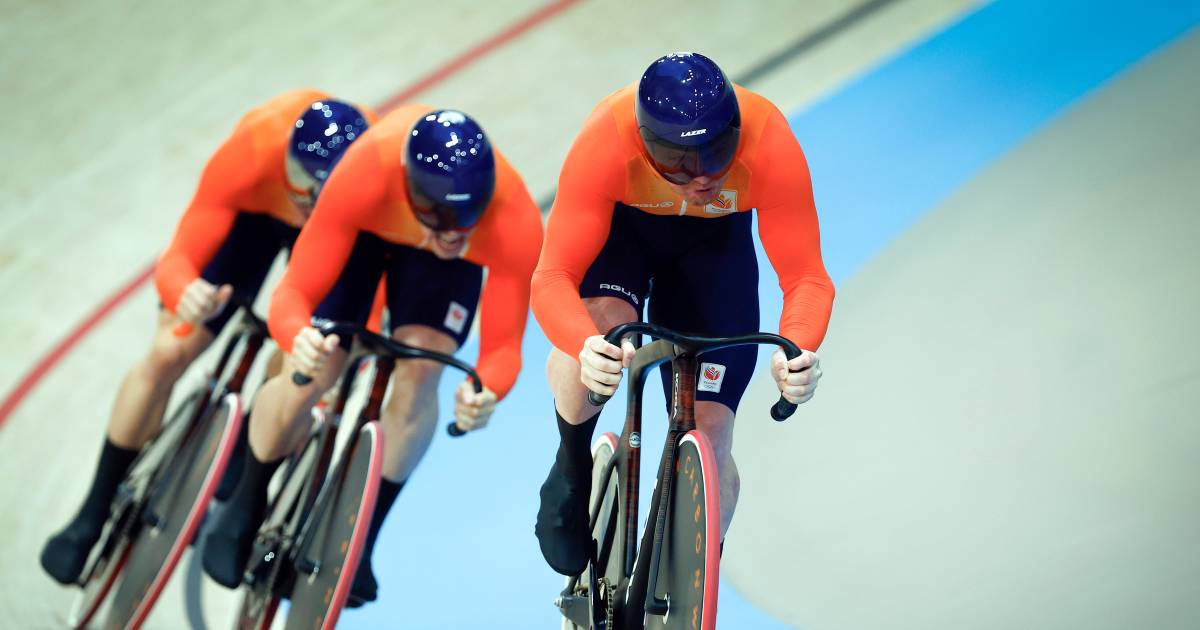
(688, 117)
(451, 171)
(319, 139)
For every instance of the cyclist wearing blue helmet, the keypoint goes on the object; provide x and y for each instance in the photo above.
(255, 193)
(428, 203)
(652, 215)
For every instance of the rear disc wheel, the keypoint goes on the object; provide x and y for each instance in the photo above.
(177, 503)
(336, 540)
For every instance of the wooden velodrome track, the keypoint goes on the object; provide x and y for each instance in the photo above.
(116, 107)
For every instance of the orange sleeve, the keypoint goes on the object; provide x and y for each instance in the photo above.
(590, 184)
(504, 305)
(231, 171)
(787, 225)
(355, 190)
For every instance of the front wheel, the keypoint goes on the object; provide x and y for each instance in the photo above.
(103, 570)
(177, 503)
(110, 557)
(691, 549)
(328, 557)
(606, 529)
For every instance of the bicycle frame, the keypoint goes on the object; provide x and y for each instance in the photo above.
(250, 334)
(317, 493)
(147, 492)
(628, 456)
(369, 412)
(639, 580)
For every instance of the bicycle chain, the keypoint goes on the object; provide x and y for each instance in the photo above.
(606, 592)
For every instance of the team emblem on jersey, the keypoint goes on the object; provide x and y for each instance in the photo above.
(724, 204)
(456, 318)
(711, 377)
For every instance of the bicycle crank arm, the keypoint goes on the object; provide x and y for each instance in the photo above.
(575, 608)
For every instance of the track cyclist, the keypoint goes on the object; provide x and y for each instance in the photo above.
(653, 206)
(254, 195)
(426, 200)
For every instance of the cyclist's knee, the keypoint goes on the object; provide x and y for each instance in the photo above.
(715, 420)
(167, 360)
(418, 372)
(608, 312)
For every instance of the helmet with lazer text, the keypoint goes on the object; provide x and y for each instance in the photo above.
(319, 139)
(451, 171)
(688, 117)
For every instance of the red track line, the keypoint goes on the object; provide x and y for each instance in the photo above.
(47, 363)
(458, 63)
(22, 389)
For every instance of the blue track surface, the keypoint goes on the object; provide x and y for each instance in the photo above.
(458, 550)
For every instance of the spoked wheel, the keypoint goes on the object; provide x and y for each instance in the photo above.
(691, 545)
(111, 554)
(328, 558)
(174, 509)
(260, 598)
(605, 529)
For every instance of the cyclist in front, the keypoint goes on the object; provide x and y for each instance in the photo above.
(255, 193)
(426, 199)
(652, 206)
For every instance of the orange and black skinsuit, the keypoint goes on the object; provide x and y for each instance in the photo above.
(241, 215)
(363, 226)
(618, 229)
(231, 233)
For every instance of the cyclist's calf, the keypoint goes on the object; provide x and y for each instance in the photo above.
(280, 417)
(715, 420)
(142, 397)
(410, 416)
(562, 370)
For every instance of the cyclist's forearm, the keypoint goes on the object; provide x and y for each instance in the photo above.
(290, 312)
(807, 305)
(560, 311)
(197, 239)
(504, 311)
(498, 369)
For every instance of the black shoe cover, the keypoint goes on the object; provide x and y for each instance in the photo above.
(562, 522)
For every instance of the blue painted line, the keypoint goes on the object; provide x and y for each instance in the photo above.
(458, 550)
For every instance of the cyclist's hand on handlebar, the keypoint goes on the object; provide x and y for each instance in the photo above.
(600, 363)
(311, 349)
(201, 301)
(472, 411)
(796, 386)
